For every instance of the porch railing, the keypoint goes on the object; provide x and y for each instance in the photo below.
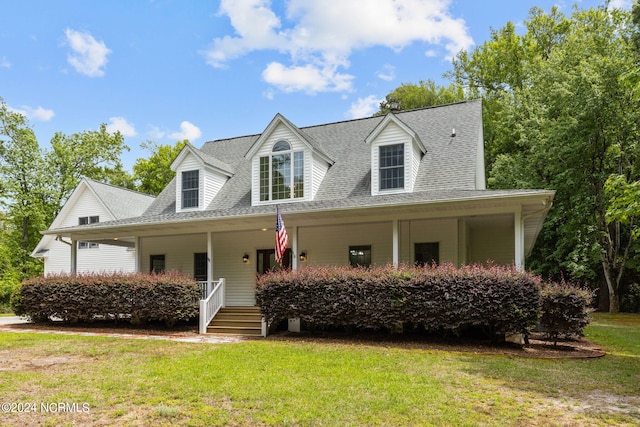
(211, 303)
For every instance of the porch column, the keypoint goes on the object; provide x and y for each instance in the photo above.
(210, 262)
(74, 256)
(136, 246)
(396, 245)
(294, 249)
(518, 228)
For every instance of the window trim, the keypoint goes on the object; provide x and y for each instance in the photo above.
(190, 190)
(159, 257)
(364, 248)
(400, 167)
(433, 247)
(295, 177)
(86, 220)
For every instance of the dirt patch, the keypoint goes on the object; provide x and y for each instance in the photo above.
(537, 347)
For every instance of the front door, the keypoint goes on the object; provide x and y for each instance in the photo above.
(267, 260)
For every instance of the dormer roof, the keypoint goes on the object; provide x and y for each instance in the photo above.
(303, 136)
(206, 159)
(392, 118)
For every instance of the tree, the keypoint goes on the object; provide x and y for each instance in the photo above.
(410, 96)
(94, 154)
(154, 173)
(23, 194)
(34, 184)
(563, 118)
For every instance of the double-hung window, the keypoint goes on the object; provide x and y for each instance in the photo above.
(282, 173)
(190, 189)
(85, 220)
(391, 167)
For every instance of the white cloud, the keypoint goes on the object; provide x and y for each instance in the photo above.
(388, 73)
(308, 78)
(364, 107)
(88, 56)
(4, 62)
(40, 114)
(187, 131)
(156, 133)
(322, 35)
(120, 124)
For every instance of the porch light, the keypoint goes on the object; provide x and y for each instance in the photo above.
(303, 256)
(245, 258)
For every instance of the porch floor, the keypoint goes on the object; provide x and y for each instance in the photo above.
(245, 321)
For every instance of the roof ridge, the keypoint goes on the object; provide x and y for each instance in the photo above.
(349, 120)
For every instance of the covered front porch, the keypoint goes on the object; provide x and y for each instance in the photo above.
(237, 248)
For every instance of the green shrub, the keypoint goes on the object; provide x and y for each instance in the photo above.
(564, 310)
(442, 298)
(6, 288)
(167, 297)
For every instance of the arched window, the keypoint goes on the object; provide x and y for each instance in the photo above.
(282, 173)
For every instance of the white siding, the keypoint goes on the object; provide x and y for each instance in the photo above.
(392, 134)
(314, 167)
(442, 231)
(104, 258)
(212, 183)
(178, 251)
(240, 277)
(415, 165)
(189, 163)
(320, 168)
(330, 245)
(495, 244)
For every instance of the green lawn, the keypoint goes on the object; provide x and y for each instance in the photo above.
(265, 382)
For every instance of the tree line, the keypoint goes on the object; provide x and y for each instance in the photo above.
(561, 111)
(35, 183)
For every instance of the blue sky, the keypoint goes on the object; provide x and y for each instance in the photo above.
(166, 70)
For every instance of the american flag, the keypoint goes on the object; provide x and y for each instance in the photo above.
(281, 237)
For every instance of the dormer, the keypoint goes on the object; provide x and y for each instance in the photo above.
(287, 165)
(396, 151)
(199, 177)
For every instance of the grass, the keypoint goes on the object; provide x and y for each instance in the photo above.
(263, 382)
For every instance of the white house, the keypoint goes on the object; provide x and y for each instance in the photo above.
(402, 188)
(92, 202)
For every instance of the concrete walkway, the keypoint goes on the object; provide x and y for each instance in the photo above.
(12, 320)
(17, 324)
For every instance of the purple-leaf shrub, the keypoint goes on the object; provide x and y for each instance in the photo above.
(169, 297)
(439, 298)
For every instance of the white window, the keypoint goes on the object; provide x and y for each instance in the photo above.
(282, 173)
(391, 167)
(190, 189)
(84, 220)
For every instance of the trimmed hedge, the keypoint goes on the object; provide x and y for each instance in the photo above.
(443, 298)
(564, 310)
(169, 297)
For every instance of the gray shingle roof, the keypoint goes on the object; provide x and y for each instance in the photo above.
(449, 164)
(121, 202)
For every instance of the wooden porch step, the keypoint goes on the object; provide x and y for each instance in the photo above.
(237, 321)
